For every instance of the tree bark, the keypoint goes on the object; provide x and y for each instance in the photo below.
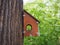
(11, 21)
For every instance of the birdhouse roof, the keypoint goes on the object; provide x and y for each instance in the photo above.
(31, 16)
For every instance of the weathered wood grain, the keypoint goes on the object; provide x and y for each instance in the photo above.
(11, 21)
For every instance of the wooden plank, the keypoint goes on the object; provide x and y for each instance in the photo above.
(11, 21)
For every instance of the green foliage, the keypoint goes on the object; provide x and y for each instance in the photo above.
(48, 13)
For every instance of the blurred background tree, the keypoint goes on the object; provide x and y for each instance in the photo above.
(48, 13)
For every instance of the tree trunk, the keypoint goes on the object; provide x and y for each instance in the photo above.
(11, 22)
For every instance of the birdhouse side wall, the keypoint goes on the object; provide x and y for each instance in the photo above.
(29, 20)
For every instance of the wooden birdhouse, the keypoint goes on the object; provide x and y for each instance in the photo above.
(30, 25)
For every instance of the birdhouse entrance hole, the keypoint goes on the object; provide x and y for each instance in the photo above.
(28, 27)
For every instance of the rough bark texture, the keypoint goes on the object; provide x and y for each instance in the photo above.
(11, 22)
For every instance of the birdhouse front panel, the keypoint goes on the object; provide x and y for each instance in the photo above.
(30, 25)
